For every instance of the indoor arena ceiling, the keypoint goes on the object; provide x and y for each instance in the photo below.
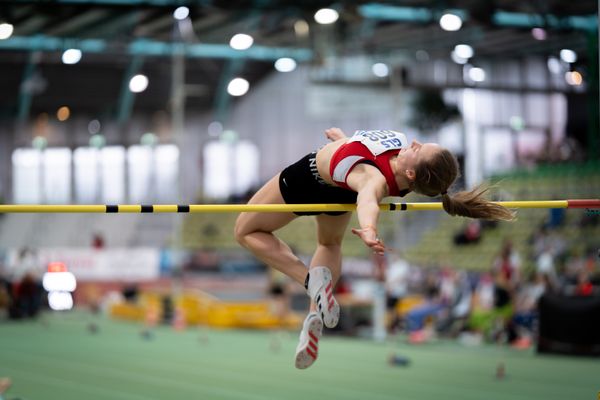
(122, 36)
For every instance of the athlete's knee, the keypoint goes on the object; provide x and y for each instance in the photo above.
(332, 243)
(240, 232)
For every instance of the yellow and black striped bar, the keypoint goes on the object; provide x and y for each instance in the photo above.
(225, 208)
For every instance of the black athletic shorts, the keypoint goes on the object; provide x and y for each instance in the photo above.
(300, 183)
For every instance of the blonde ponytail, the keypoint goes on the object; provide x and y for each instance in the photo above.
(433, 177)
(473, 204)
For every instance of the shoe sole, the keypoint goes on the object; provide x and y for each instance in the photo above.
(309, 352)
(329, 307)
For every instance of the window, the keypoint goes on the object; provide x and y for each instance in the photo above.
(87, 177)
(57, 175)
(27, 167)
(230, 169)
(113, 174)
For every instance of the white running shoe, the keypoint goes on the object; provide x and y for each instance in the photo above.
(320, 289)
(308, 347)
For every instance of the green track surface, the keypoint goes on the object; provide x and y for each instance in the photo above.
(56, 357)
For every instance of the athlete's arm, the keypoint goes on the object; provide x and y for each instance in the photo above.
(371, 186)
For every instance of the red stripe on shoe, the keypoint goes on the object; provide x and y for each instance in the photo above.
(330, 305)
(328, 288)
(310, 353)
(313, 336)
(313, 346)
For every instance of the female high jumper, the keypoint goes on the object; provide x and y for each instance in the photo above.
(361, 170)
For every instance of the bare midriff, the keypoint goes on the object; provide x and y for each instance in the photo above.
(324, 158)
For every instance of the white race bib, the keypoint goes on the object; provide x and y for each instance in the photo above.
(380, 141)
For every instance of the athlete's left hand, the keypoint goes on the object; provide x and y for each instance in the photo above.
(334, 134)
(370, 238)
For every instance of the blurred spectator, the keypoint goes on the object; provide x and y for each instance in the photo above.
(584, 284)
(396, 286)
(492, 306)
(545, 265)
(418, 317)
(97, 241)
(27, 262)
(4, 297)
(470, 234)
(524, 321)
(27, 298)
(4, 290)
(538, 240)
(484, 293)
(459, 294)
(556, 218)
(131, 293)
(507, 266)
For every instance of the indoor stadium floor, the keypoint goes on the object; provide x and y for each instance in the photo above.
(57, 357)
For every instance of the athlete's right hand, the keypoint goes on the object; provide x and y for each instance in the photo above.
(370, 238)
(334, 134)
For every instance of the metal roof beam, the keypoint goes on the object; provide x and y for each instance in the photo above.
(127, 97)
(147, 47)
(501, 18)
(26, 90)
(155, 3)
(581, 22)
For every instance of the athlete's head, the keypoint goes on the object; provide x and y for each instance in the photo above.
(431, 169)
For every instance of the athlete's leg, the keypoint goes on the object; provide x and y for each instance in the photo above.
(330, 234)
(255, 230)
(328, 254)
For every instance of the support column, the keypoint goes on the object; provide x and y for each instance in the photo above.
(593, 140)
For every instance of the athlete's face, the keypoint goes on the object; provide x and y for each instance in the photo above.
(408, 158)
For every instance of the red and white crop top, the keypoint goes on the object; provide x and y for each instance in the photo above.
(370, 147)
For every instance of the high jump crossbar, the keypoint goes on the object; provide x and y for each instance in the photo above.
(225, 208)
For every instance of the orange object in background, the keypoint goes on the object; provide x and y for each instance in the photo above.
(57, 266)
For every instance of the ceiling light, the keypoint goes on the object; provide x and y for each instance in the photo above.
(463, 51)
(450, 22)
(573, 78)
(326, 16)
(539, 33)
(71, 56)
(138, 83)
(554, 65)
(301, 28)
(380, 70)
(477, 74)
(457, 59)
(238, 87)
(229, 136)
(63, 113)
(241, 41)
(148, 139)
(39, 142)
(6, 30)
(98, 140)
(568, 56)
(215, 128)
(94, 127)
(181, 13)
(285, 64)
